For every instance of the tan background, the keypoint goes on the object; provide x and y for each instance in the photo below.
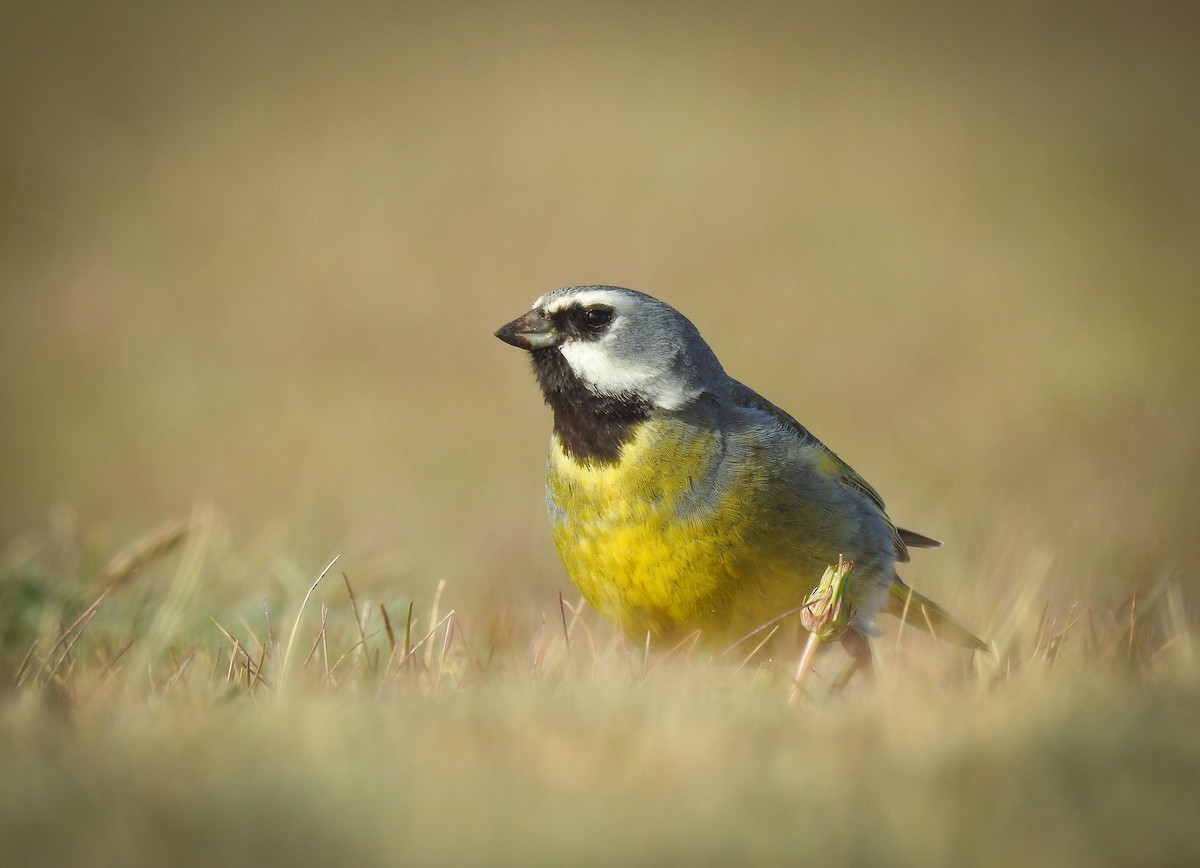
(254, 257)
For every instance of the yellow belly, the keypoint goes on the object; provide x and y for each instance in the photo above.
(650, 554)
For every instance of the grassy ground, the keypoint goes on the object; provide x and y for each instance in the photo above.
(250, 263)
(380, 733)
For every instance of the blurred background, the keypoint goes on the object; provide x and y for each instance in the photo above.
(252, 256)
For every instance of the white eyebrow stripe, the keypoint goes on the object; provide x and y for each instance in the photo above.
(582, 298)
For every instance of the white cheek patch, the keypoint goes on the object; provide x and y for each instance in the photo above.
(599, 372)
(592, 364)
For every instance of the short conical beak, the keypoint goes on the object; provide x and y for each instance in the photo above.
(530, 332)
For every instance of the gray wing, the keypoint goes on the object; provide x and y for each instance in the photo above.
(744, 396)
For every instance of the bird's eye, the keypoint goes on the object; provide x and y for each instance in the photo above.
(596, 319)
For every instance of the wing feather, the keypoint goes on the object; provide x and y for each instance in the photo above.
(746, 397)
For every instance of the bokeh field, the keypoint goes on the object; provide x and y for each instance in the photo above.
(251, 260)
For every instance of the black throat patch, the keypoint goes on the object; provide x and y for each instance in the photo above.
(591, 427)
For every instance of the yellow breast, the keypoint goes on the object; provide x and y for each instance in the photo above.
(670, 538)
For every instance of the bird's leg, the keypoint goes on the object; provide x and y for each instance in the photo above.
(859, 649)
(826, 615)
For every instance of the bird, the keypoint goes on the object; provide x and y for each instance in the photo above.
(685, 505)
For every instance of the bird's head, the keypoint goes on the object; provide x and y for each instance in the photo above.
(618, 344)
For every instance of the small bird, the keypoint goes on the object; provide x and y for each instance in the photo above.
(682, 502)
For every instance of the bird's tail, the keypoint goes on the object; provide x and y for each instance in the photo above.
(922, 612)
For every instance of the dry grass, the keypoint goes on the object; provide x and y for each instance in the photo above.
(325, 726)
(252, 257)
